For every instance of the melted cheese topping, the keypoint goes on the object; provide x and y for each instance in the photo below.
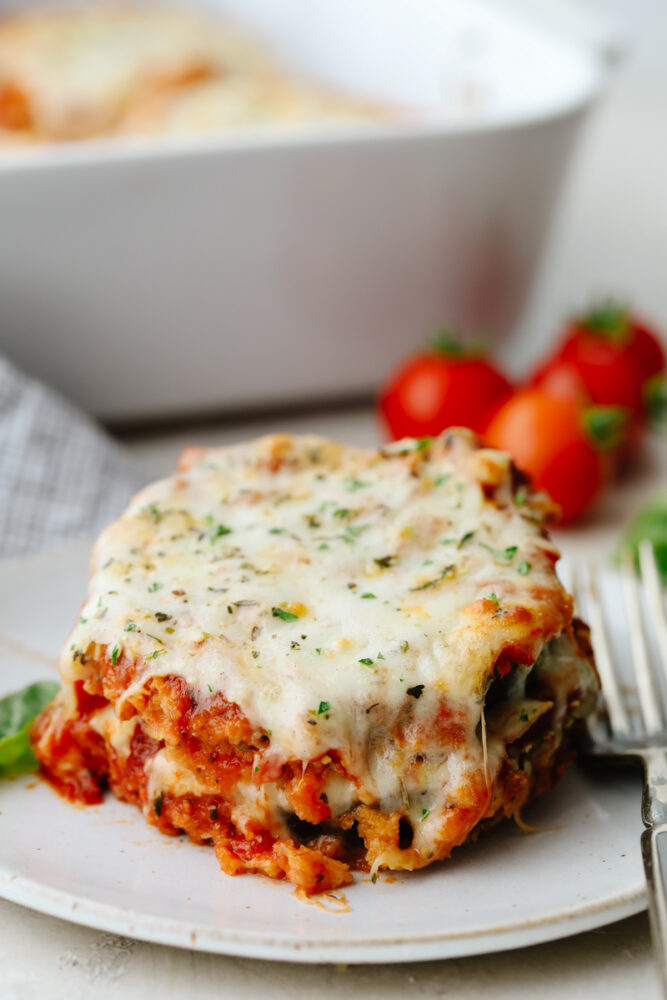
(330, 592)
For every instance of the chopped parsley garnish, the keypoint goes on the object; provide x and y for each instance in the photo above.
(286, 616)
(380, 656)
(355, 484)
(384, 562)
(448, 573)
(524, 716)
(323, 707)
(83, 621)
(366, 660)
(466, 538)
(276, 531)
(162, 617)
(210, 688)
(416, 691)
(491, 597)
(115, 653)
(215, 531)
(506, 554)
(425, 815)
(439, 480)
(156, 652)
(520, 497)
(354, 530)
(323, 546)
(130, 627)
(368, 597)
(523, 568)
(154, 587)
(318, 650)
(342, 512)
(424, 443)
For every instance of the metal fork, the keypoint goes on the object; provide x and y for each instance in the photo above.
(644, 736)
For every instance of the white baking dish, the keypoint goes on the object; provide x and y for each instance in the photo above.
(151, 278)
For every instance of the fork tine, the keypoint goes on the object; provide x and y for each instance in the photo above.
(654, 598)
(618, 717)
(648, 702)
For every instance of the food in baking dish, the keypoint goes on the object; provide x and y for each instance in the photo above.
(78, 72)
(320, 658)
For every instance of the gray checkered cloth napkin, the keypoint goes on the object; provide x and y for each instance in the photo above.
(61, 476)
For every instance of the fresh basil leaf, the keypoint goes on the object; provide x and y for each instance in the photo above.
(17, 712)
(650, 523)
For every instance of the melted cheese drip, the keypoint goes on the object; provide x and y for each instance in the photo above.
(326, 596)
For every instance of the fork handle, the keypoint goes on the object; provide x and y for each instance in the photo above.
(654, 853)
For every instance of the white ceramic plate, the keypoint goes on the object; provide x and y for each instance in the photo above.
(103, 867)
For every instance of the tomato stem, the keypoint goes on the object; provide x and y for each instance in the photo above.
(655, 399)
(608, 320)
(605, 425)
(445, 342)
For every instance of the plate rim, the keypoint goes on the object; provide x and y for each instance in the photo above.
(276, 947)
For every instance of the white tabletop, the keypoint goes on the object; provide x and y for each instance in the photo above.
(45, 958)
(42, 957)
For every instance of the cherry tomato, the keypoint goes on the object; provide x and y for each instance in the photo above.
(446, 387)
(610, 372)
(648, 349)
(561, 379)
(616, 323)
(613, 352)
(561, 444)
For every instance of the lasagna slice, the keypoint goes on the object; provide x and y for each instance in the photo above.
(319, 658)
(83, 71)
